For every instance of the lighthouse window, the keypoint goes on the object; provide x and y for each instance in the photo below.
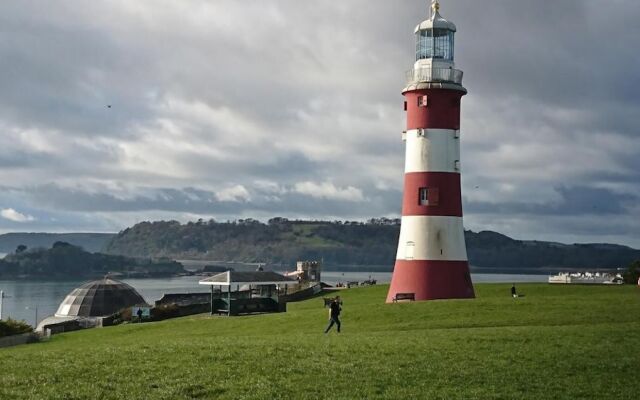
(410, 250)
(424, 196)
(423, 101)
(429, 196)
(435, 43)
(424, 44)
(443, 44)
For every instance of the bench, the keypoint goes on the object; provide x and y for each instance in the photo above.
(404, 296)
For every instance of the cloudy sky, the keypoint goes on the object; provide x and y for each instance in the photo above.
(231, 109)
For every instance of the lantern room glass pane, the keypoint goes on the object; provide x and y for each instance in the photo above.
(435, 43)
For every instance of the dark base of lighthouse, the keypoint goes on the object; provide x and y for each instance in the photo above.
(431, 280)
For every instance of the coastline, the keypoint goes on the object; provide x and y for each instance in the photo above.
(23, 296)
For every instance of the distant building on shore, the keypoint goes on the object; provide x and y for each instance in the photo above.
(587, 278)
(307, 271)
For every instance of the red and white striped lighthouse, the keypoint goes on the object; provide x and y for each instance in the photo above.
(431, 262)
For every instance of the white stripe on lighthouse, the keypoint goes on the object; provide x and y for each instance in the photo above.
(431, 238)
(432, 150)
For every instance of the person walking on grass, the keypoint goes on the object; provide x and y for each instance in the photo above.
(139, 313)
(334, 314)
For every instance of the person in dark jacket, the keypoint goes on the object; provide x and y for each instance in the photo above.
(513, 291)
(334, 314)
(139, 313)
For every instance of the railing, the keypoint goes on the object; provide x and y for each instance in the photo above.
(434, 75)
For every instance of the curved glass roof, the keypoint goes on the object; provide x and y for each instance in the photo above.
(99, 299)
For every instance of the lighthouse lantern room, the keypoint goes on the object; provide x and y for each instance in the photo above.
(431, 262)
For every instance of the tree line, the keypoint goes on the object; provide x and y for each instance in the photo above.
(63, 261)
(348, 243)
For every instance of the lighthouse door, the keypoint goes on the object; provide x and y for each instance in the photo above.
(409, 250)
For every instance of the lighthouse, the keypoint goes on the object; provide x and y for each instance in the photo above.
(431, 262)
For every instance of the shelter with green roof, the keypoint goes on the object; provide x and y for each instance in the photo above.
(248, 292)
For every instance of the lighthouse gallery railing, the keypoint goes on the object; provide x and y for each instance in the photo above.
(434, 75)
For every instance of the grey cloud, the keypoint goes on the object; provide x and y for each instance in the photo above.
(199, 201)
(564, 229)
(271, 91)
(22, 159)
(63, 78)
(575, 201)
(294, 165)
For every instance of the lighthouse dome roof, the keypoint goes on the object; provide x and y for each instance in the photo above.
(436, 22)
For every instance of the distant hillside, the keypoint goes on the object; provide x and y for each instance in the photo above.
(65, 261)
(92, 242)
(348, 244)
(492, 251)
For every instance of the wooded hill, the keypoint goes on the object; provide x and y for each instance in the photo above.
(92, 242)
(348, 245)
(65, 261)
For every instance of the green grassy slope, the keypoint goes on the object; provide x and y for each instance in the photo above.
(557, 342)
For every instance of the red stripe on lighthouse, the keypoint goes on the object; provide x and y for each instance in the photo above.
(447, 186)
(431, 280)
(442, 110)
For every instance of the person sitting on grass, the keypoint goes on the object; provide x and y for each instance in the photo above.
(334, 314)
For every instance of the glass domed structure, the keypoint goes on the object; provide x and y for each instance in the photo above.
(99, 299)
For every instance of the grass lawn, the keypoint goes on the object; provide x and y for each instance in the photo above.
(558, 342)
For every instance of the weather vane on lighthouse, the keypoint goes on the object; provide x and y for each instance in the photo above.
(435, 7)
(431, 261)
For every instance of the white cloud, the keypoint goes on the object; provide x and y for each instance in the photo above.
(327, 190)
(269, 187)
(15, 216)
(236, 193)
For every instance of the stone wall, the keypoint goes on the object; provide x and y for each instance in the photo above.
(17, 340)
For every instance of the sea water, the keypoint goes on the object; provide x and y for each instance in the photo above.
(23, 299)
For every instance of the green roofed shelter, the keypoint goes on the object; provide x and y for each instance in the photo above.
(261, 278)
(255, 291)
